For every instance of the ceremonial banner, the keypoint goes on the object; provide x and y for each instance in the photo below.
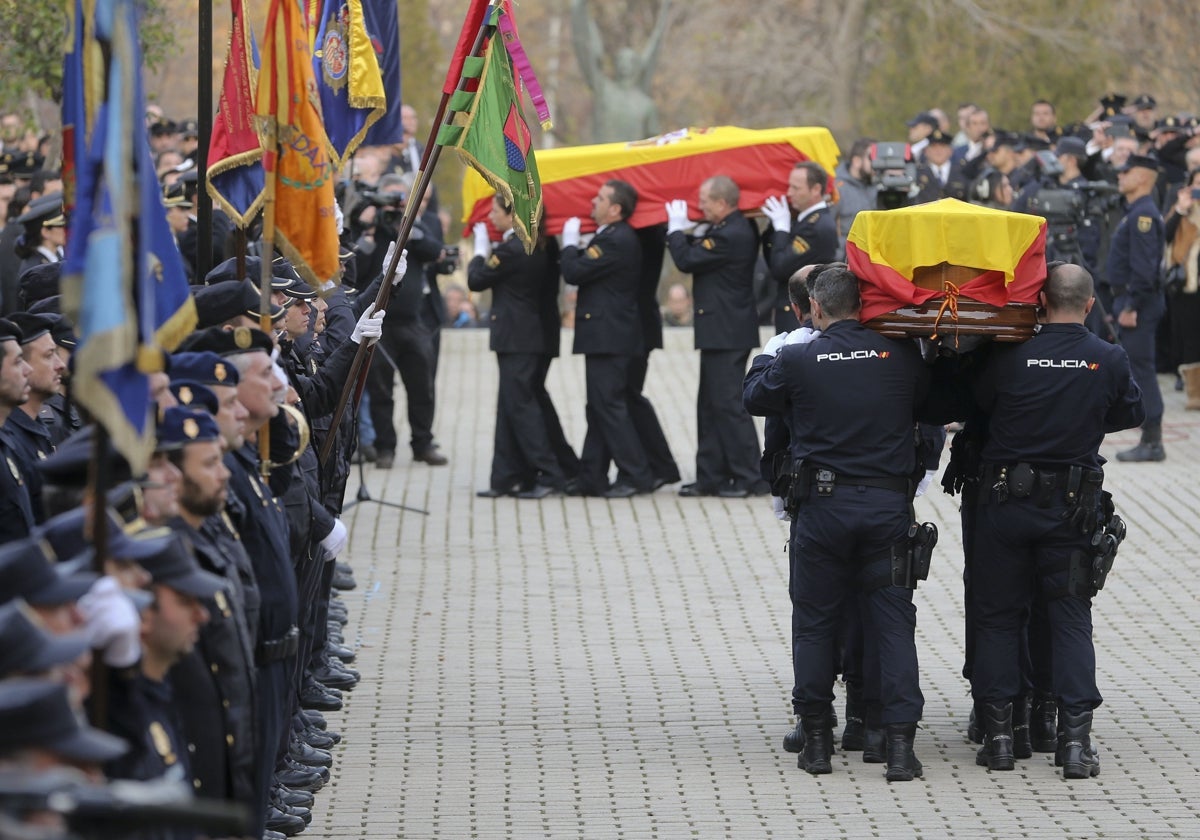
(348, 77)
(491, 135)
(1005, 251)
(382, 25)
(235, 173)
(299, 173)
(124, 284)
(664, 168)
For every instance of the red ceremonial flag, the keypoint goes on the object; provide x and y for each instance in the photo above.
(476, 15)
(235, 176)
(299, 174)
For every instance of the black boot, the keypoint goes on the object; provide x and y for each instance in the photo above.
(997, 750)
(854, 735)
(1022, 709)
(902, 763)
(874, 741)
(793, 742)
(974, 728)
(818, 745)
(1149, 449)
(1075, 754)
(1043, 724)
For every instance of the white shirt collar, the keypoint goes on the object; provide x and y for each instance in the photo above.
(820, 205)
(508, 234)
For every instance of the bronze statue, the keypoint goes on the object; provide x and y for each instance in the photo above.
(622, 109)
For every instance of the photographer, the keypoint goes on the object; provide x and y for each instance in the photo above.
(1074, 218)
(855, 188)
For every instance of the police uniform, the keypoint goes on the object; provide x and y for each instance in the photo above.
(550, 317)
(609, 335)
(844, 535)
(16, 511)
(1134, 261)
(31, 444)
(521, 451)
(721, 261)
(1040, 466)
(813, 239)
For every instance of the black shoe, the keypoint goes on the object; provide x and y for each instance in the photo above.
(490, 493)
(1043, 722)
(273, 835)
(575, 487)
(340, 651)
(620, 491)
(902, 763)
(291, 810)
(1022, 745)
(313, 696)
(385, 460)
(818, 745)
(974, 729)
(311, 717)
(332, 677)
(294, 798)
(364, 455)
(342, 581)
(431, 456)
(298, 777)
(733, 491)
(322, 772)
(1143, 452)
(874, 746)
(695, 490)
(793, 742)
(997, 750)
(854, 735)
(1076, 755)
(318, 739)
(302, 753)
(540, 491)
(285, 824)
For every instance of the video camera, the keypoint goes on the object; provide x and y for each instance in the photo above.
(895, 173)
(390, 204)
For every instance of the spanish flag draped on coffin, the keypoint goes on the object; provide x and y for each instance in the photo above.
(933, 253)
(663, 168)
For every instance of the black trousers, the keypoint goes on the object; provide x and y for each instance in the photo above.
(568, 461)
(727, 447)
(409, 345)
(522, 450)
(645, 423)
(610, 432)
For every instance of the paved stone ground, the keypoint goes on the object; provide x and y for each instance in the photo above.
(594, 669)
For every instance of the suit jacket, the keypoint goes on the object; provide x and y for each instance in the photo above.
(931, 189)
(721, 262)
(516, 280)
(607, 273)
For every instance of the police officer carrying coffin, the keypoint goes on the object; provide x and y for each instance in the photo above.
(854, 462)
(1042, 519)
(1134, 261)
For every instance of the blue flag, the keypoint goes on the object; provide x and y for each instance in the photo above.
(124, 283)
(383, 29)
(346, 70)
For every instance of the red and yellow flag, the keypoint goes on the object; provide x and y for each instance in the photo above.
(300, 176)
(886, 247)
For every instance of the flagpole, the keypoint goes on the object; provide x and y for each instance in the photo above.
(429, 162)
(264, 305)
(99, 479)
(204, 208)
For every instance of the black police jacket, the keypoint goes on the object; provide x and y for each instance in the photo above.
(517, 281)
(849, 398)
(1135, 253)
(653, 240)
(811, 241)
(1052, 399)
(16, 515)
(29, 444)
(548, 309)
(607, 272)
(721, 263)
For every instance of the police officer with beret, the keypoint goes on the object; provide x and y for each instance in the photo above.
(16, 509)
(1134, 261)
(29, 435)
(854, 464)
(1039, 505)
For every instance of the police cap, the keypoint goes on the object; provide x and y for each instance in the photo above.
(175, 196)
(68, 465)
(181, 425)
(225, 342)
(25, 648)
(70, 535)
(175, 566)
(10, 331)
(1033, 143)
(1145, 102)
(189, 128)
(32, 327)
(923, 118)
(203, 366)
(940, 137)
(1071, 146)
(27, 570)
(42, 208)
(1169, 124)
(216, 304)
(195, 395)
(1000, 137)
(38, 713)
(1111, 104)
(62, 329)
(1139, 162)
(24, 164)
(227, 271)
(40, 282)
(46, 306)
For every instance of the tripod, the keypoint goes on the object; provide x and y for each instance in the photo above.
(364, 495)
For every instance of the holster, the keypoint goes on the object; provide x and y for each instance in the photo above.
(1089, 570)
(911, 557)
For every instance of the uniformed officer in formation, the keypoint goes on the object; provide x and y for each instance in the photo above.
(850, 398)
(721, 256)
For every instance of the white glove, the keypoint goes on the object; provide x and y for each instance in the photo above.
(483, 247)
(336, 540)
(802, 335)
(281, 376)
(780, 509)
(401, 267)
(369, 326)
(339, 218)
(774, 344)
(677, 215)
(570, 233)
(923, 485)
(112, 622)
(776, 209)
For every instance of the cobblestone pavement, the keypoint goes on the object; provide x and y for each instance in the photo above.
(593, 669)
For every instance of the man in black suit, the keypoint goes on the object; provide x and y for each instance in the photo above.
(721, 260)
(938, 176)
(522, 453)
(608, 333)
(809, 238)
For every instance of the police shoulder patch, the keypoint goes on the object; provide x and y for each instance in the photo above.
(813, 218)
(707, 244)
(493, 261)
(594, 252)
(800, 245)
(1144, 224)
